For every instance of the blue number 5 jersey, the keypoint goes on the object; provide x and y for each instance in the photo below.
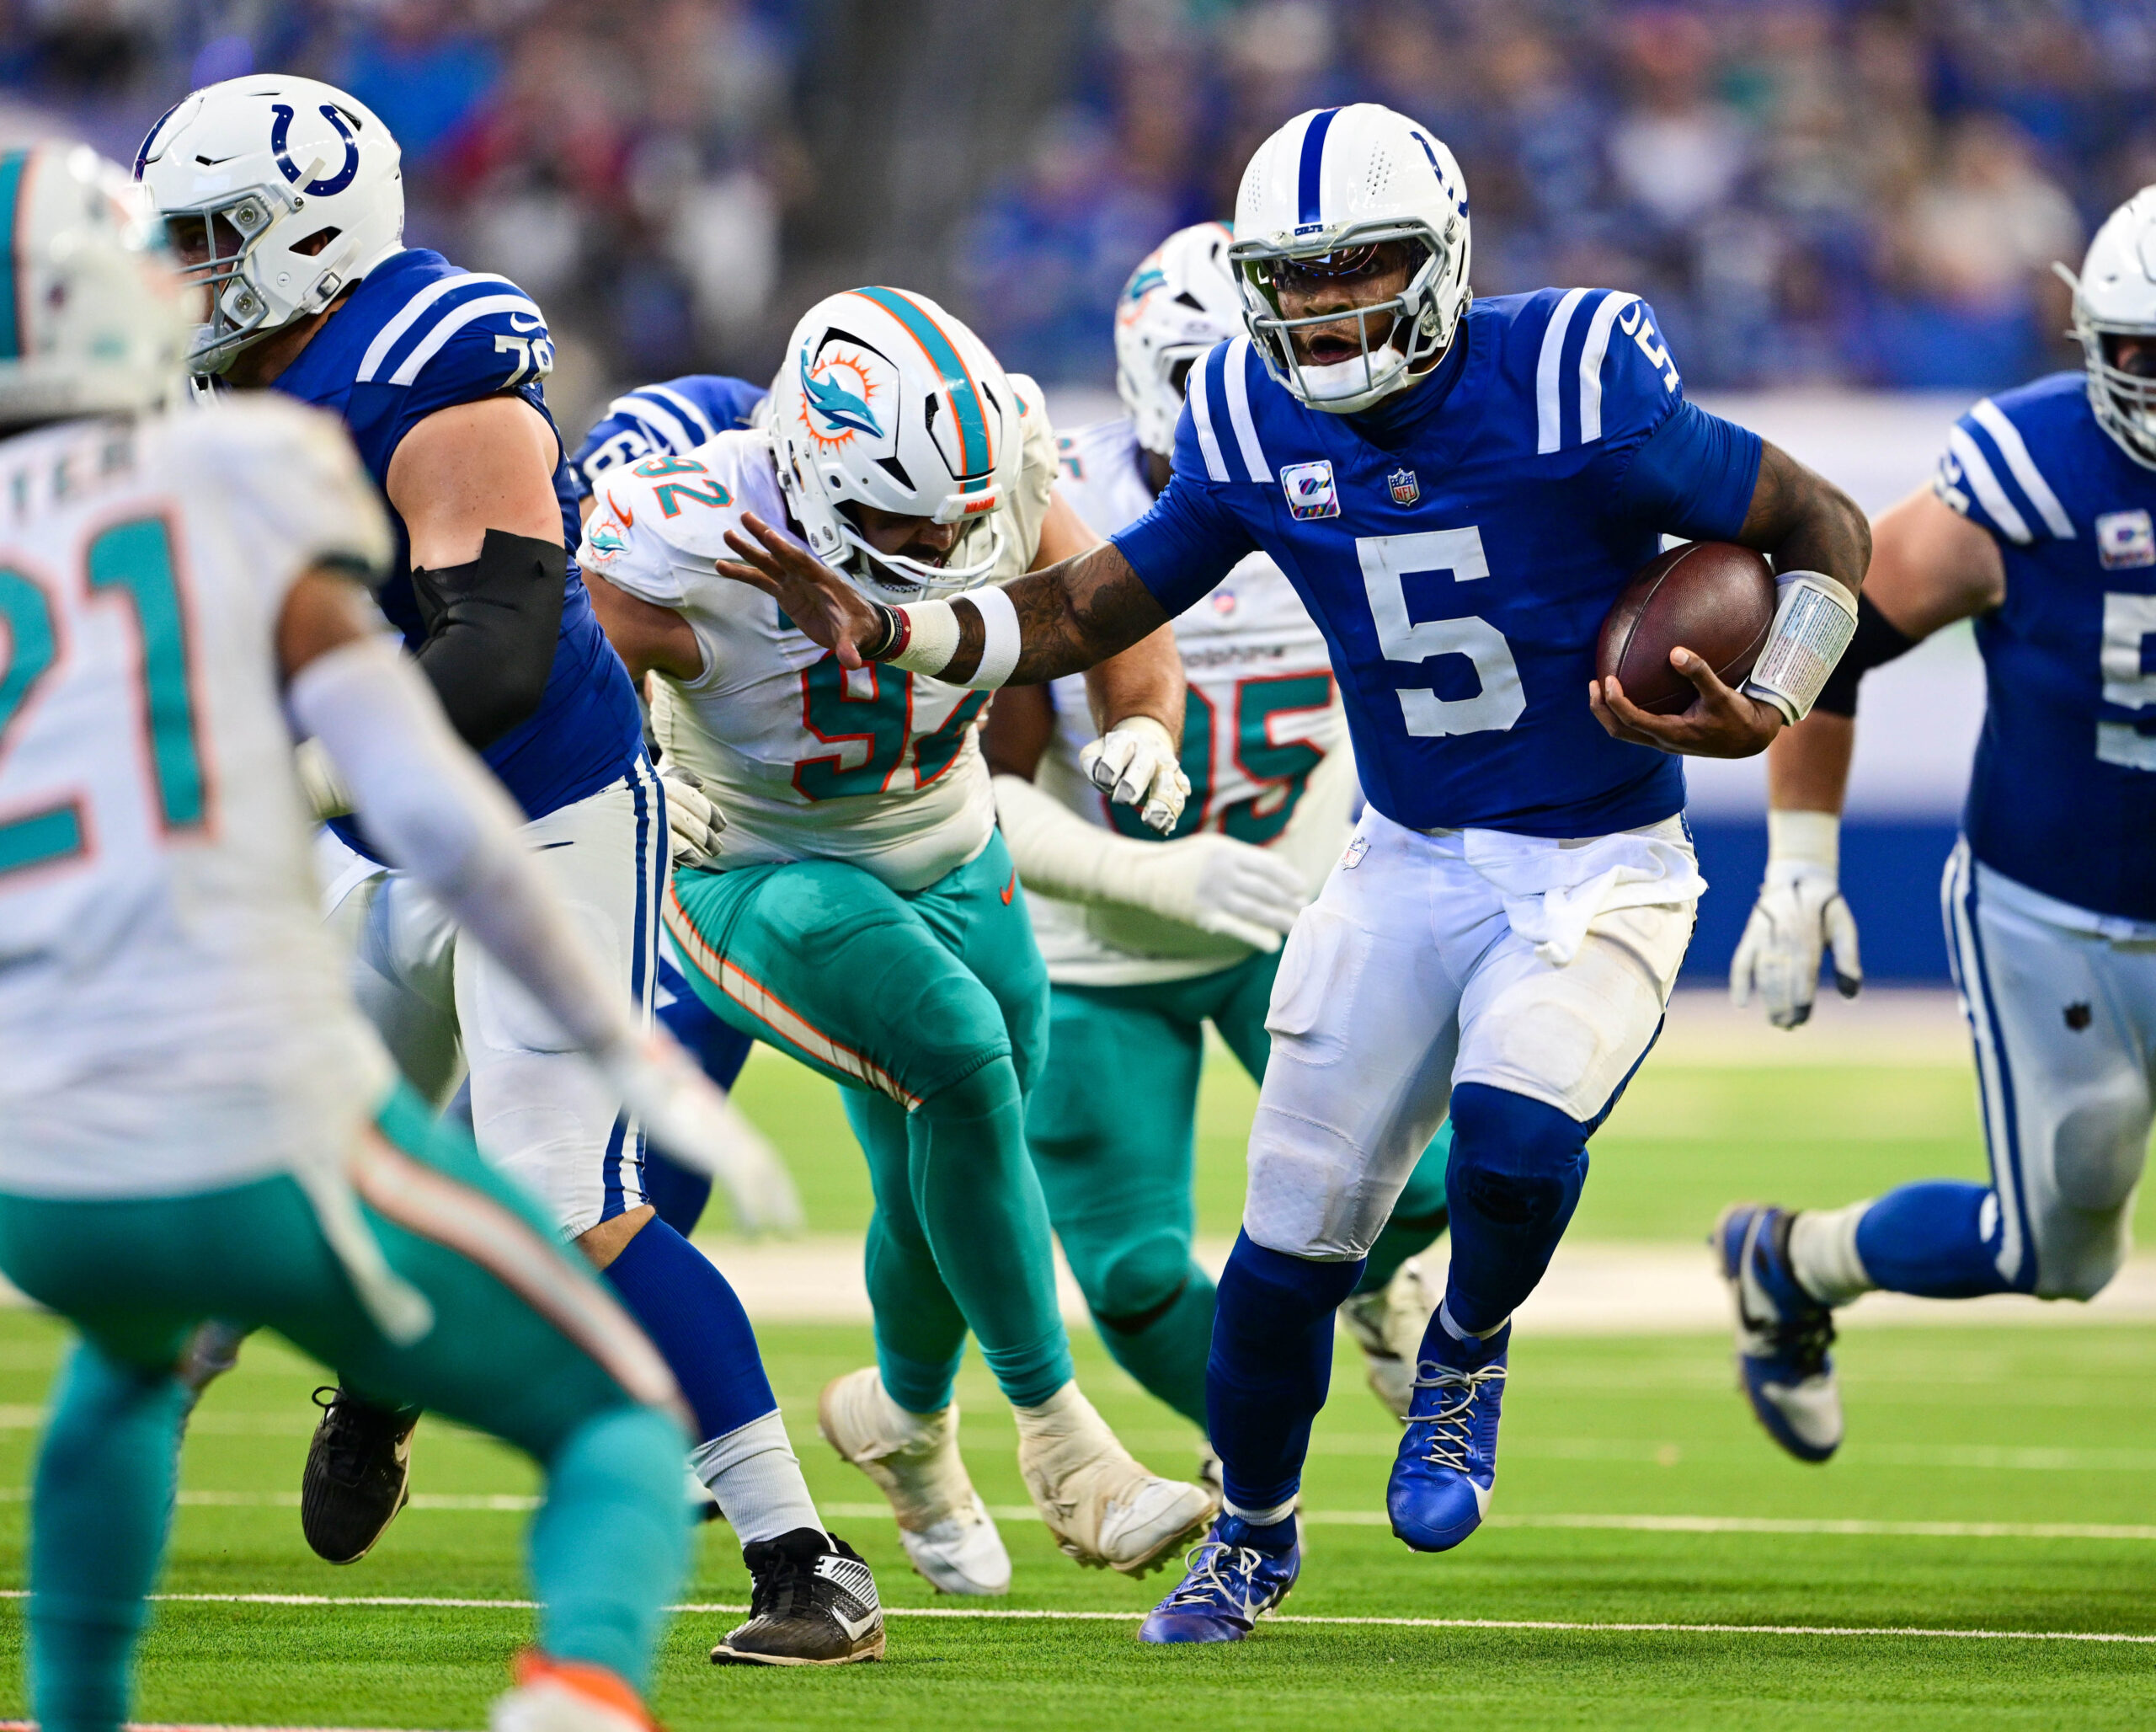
(1459, 545)
(419, 335)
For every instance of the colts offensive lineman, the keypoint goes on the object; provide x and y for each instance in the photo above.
(286, 197)
(2038, 525)
(1458, 493)
(1146, 940)
(195, 1120)
(865, 915)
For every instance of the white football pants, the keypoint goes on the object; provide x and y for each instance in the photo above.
(1405, 977)
(540, 1112)
(2061, 1003)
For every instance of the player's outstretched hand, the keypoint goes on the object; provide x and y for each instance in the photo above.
(693, 823)
(681, 1109)
(1799, 918)
(832, 611)
(1238, 891)
(1134, 764)
(1720, 723)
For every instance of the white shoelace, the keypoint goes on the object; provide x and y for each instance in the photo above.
(1450, 1427)
(1204, 1580)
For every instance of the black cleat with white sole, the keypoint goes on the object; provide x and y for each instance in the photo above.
(812, 1603)
(359, 1474)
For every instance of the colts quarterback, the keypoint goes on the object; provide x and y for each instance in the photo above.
(286, 198)
(2038, 525)
(1458, 492)
(1149, 938)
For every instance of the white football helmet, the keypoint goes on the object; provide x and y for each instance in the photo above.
(885, 400)
(271, 165)
(2115, 296)
(1322, 190)
(93, 318)
(1180, 302)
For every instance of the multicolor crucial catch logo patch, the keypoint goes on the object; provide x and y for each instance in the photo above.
(1310, 491)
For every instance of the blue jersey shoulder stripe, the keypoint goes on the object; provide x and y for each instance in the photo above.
(450, 322)
(1234, 369)
(1592, 353)
(2006, 438)
(403, 324)
(1990, 494)
(1310, 171)
(1548, 374)
(661, 401)
(1200, 394)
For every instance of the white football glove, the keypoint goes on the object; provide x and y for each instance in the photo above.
(1798, 917)
(681, 1109)
(327, 795)
(1134, 764)
(693, 823)
(1221, 885)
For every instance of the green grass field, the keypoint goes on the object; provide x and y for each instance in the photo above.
(1634, 1491)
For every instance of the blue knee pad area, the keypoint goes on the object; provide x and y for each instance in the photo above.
(1929, 1238)
(1516, 1170)
(695, 1318)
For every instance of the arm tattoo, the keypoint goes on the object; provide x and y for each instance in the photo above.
(1070, 616)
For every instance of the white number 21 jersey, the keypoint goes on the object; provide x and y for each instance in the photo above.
(173, 1016)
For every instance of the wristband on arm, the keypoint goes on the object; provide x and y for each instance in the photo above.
(1815, 617)
(923, 636)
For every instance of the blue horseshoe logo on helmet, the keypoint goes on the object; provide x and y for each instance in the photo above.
(316, 189)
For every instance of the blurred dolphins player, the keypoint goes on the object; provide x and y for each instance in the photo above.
(2038, 526)
(865, 915)
(1458, 492)
(286, 198)
(195, 1118)
(1147, 940)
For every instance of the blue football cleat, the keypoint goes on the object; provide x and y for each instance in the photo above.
(1782, 1333)
(1229, 1583)
(1440, 1488)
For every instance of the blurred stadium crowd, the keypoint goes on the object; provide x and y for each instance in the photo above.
(1811, 192)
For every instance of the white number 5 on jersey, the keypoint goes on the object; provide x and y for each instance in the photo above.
(1386, 561)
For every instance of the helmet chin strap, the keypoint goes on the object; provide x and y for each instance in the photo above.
(1337, 379)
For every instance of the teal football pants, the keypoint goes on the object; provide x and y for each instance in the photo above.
(525, 1345)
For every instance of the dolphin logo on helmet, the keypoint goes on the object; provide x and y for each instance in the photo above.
(845, 411)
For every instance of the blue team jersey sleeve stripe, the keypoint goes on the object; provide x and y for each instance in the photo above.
(1235, 370)
(1983, 482)
(694, 416)
(455, 320)
(655, 419)
(408, 316)
(1592, 353)
(1548, 374)
(2007, 438)
(1201, 414)
(1309, 173)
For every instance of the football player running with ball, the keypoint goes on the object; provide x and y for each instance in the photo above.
(195, 1120)
(865, 915)
(286, 198)
(2037, 526)
(1147, 939)
(1458, 493)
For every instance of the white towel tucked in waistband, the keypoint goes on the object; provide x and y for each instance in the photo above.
(1554, 891)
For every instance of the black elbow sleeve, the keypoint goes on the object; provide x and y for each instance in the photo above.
(1878, 640)
(491, 628)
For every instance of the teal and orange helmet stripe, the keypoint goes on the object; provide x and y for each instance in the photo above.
(13, 176)
(976, 438)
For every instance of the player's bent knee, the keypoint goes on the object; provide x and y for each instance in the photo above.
(1136, 1280)
(2078, 1251)
(992, 1088)
(1516, 1160)
(2097, 1153)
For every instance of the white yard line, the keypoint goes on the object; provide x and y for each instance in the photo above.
(1033, 1614)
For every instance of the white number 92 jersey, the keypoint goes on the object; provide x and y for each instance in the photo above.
(808, 761)
(1265, 739)
(173, 1016)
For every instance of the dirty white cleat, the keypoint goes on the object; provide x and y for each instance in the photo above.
(1103, 1506)
(1388, 1326)
(914, 1460)
(569, 1696)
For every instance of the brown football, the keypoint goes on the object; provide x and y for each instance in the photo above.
(1713, 598)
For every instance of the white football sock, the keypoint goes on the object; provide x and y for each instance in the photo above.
(1822, 1253)
(1262, 1518)
(755, 1477)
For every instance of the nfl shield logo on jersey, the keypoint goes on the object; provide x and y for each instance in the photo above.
(1406, 489)
(2125, 538)
(1310, 492)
